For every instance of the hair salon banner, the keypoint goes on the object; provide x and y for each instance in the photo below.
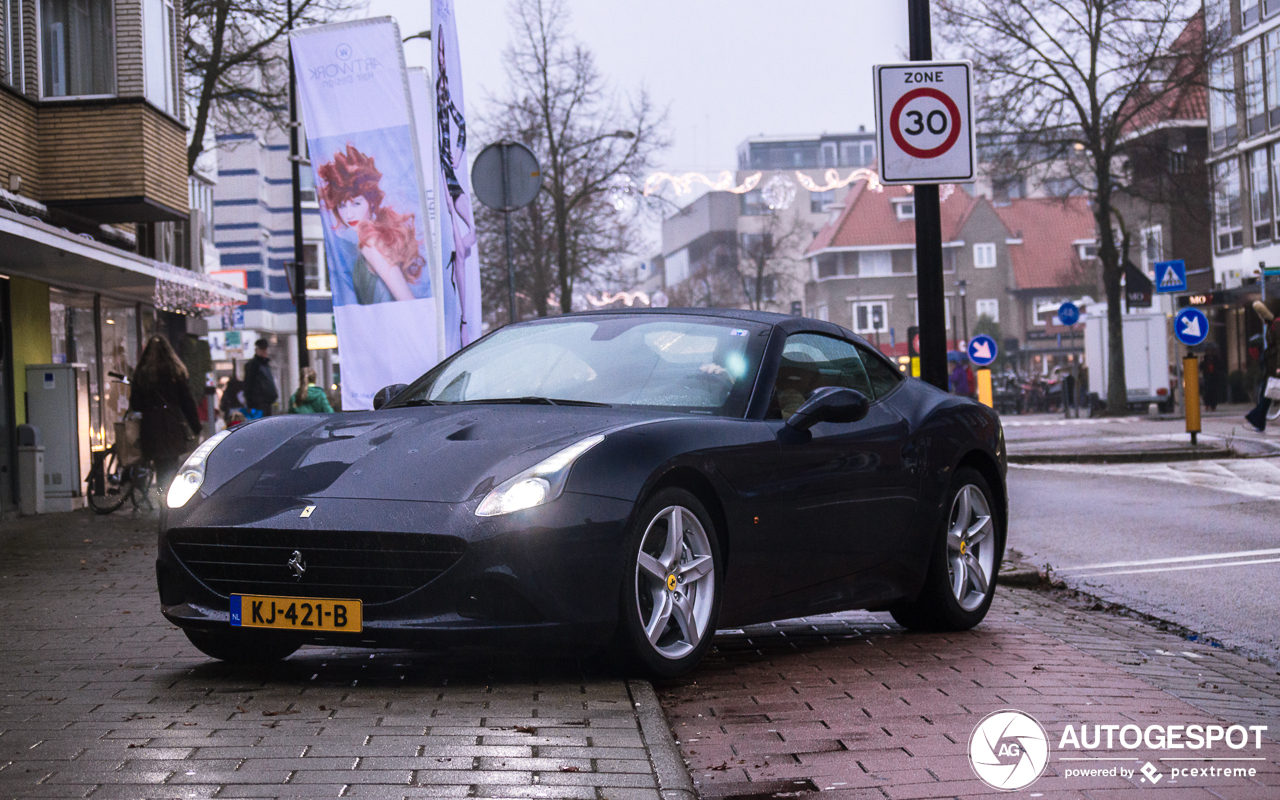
(363, 143)
(460, 260)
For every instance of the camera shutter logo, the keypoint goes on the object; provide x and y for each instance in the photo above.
(343, 52)
(1008, 750)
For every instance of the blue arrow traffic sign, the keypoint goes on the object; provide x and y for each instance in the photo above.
(1191, 326)
(1068, 313)
(1171, 276)
(982, 350)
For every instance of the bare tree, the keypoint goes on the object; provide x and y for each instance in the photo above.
(767, 260)
(1065, 81)
(236, 60)
(588, 143)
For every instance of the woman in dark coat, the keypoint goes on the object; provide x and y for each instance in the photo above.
(1213, 377)
(162, 394)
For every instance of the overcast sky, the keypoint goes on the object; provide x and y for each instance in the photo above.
(727, 69)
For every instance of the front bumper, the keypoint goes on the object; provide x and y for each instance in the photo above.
(548, 577)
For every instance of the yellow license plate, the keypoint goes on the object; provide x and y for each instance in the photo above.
(297, 613)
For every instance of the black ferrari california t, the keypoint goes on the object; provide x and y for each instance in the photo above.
(626, 478)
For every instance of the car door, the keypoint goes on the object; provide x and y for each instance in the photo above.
(844, 495)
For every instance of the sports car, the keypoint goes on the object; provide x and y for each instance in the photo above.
(632, 480)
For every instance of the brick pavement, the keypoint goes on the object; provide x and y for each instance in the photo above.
(851, 706)
(100, 697)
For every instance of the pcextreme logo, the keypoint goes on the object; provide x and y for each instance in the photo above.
(1008, 750)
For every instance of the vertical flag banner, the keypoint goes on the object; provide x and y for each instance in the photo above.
(363, 145)
(460, 258)
(423, 100)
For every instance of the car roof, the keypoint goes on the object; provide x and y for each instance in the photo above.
(787, 322)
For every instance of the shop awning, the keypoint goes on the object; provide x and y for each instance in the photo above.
(33, 249)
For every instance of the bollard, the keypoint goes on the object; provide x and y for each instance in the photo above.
(1191, 394)
(985, 395)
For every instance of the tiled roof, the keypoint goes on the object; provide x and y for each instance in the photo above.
(1047, 227)
(869, 220)
(1187, 99)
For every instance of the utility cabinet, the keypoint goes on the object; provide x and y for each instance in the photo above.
(58, 404)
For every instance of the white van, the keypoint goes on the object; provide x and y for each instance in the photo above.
(1146, 355)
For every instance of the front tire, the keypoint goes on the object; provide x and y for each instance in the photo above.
(671, 588)
(236, 646)
(961, 579)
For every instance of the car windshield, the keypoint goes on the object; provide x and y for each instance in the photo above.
(699, 365)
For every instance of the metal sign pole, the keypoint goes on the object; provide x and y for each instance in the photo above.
(929, 283)
(506, 236)
(299, 260)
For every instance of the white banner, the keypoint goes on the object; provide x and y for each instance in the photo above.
(361, 136)
(460, 260)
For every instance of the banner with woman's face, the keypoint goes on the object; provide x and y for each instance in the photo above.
(354, 96)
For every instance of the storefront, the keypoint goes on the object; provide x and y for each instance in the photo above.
(68, 299)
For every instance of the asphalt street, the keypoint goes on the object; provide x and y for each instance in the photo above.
(1196, 543)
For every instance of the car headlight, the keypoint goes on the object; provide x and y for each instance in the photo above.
(541, 483)
(191, 476)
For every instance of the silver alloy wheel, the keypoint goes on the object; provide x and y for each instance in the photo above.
(971, 546)
(675, 582)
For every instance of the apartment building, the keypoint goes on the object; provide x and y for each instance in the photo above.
(96, 251)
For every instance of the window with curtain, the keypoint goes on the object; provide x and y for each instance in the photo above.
(77, 40)
(1254, 87)
(158, 30)
(1226, 204)
(989, 308)
(1260, 194)
(875, 264)
(1222, 102)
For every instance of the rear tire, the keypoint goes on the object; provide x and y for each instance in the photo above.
(116, 486)
(243, 647)
(961, 579)
(670, 598)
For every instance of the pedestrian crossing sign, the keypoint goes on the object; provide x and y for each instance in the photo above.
(1171, 276)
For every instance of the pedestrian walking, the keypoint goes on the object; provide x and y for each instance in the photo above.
(260, 392)
(309, 399)
(162, 395)
(1270, 365)
(1213, 377)
(960, 379)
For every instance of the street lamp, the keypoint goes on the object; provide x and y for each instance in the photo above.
(961, 285)
(419, 35)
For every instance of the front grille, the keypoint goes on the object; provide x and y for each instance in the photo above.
(366, 566)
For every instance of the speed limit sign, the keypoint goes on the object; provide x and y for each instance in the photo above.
(924, 113)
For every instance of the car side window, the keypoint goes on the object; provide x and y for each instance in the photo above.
(883, 377)
(812, 361)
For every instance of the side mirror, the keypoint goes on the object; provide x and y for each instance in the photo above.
(830, 404)
(385, 394)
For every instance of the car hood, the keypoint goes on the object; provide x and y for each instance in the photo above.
(443, 454)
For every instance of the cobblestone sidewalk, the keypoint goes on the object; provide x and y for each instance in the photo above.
(101, 698)
(852, 706)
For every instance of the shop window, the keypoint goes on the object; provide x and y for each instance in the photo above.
(77, 43)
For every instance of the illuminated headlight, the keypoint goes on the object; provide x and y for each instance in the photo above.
(539, 484)
(191, 476)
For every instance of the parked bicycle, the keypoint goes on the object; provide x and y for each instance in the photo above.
(118, 473)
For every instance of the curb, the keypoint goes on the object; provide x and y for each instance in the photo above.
(1141, 457)
(668, 765)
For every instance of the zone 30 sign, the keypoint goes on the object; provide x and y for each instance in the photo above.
(923, 113)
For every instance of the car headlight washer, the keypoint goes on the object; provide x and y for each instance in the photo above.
(541, 483)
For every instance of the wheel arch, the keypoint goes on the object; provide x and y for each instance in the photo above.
(986, 465)
(693, 481)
